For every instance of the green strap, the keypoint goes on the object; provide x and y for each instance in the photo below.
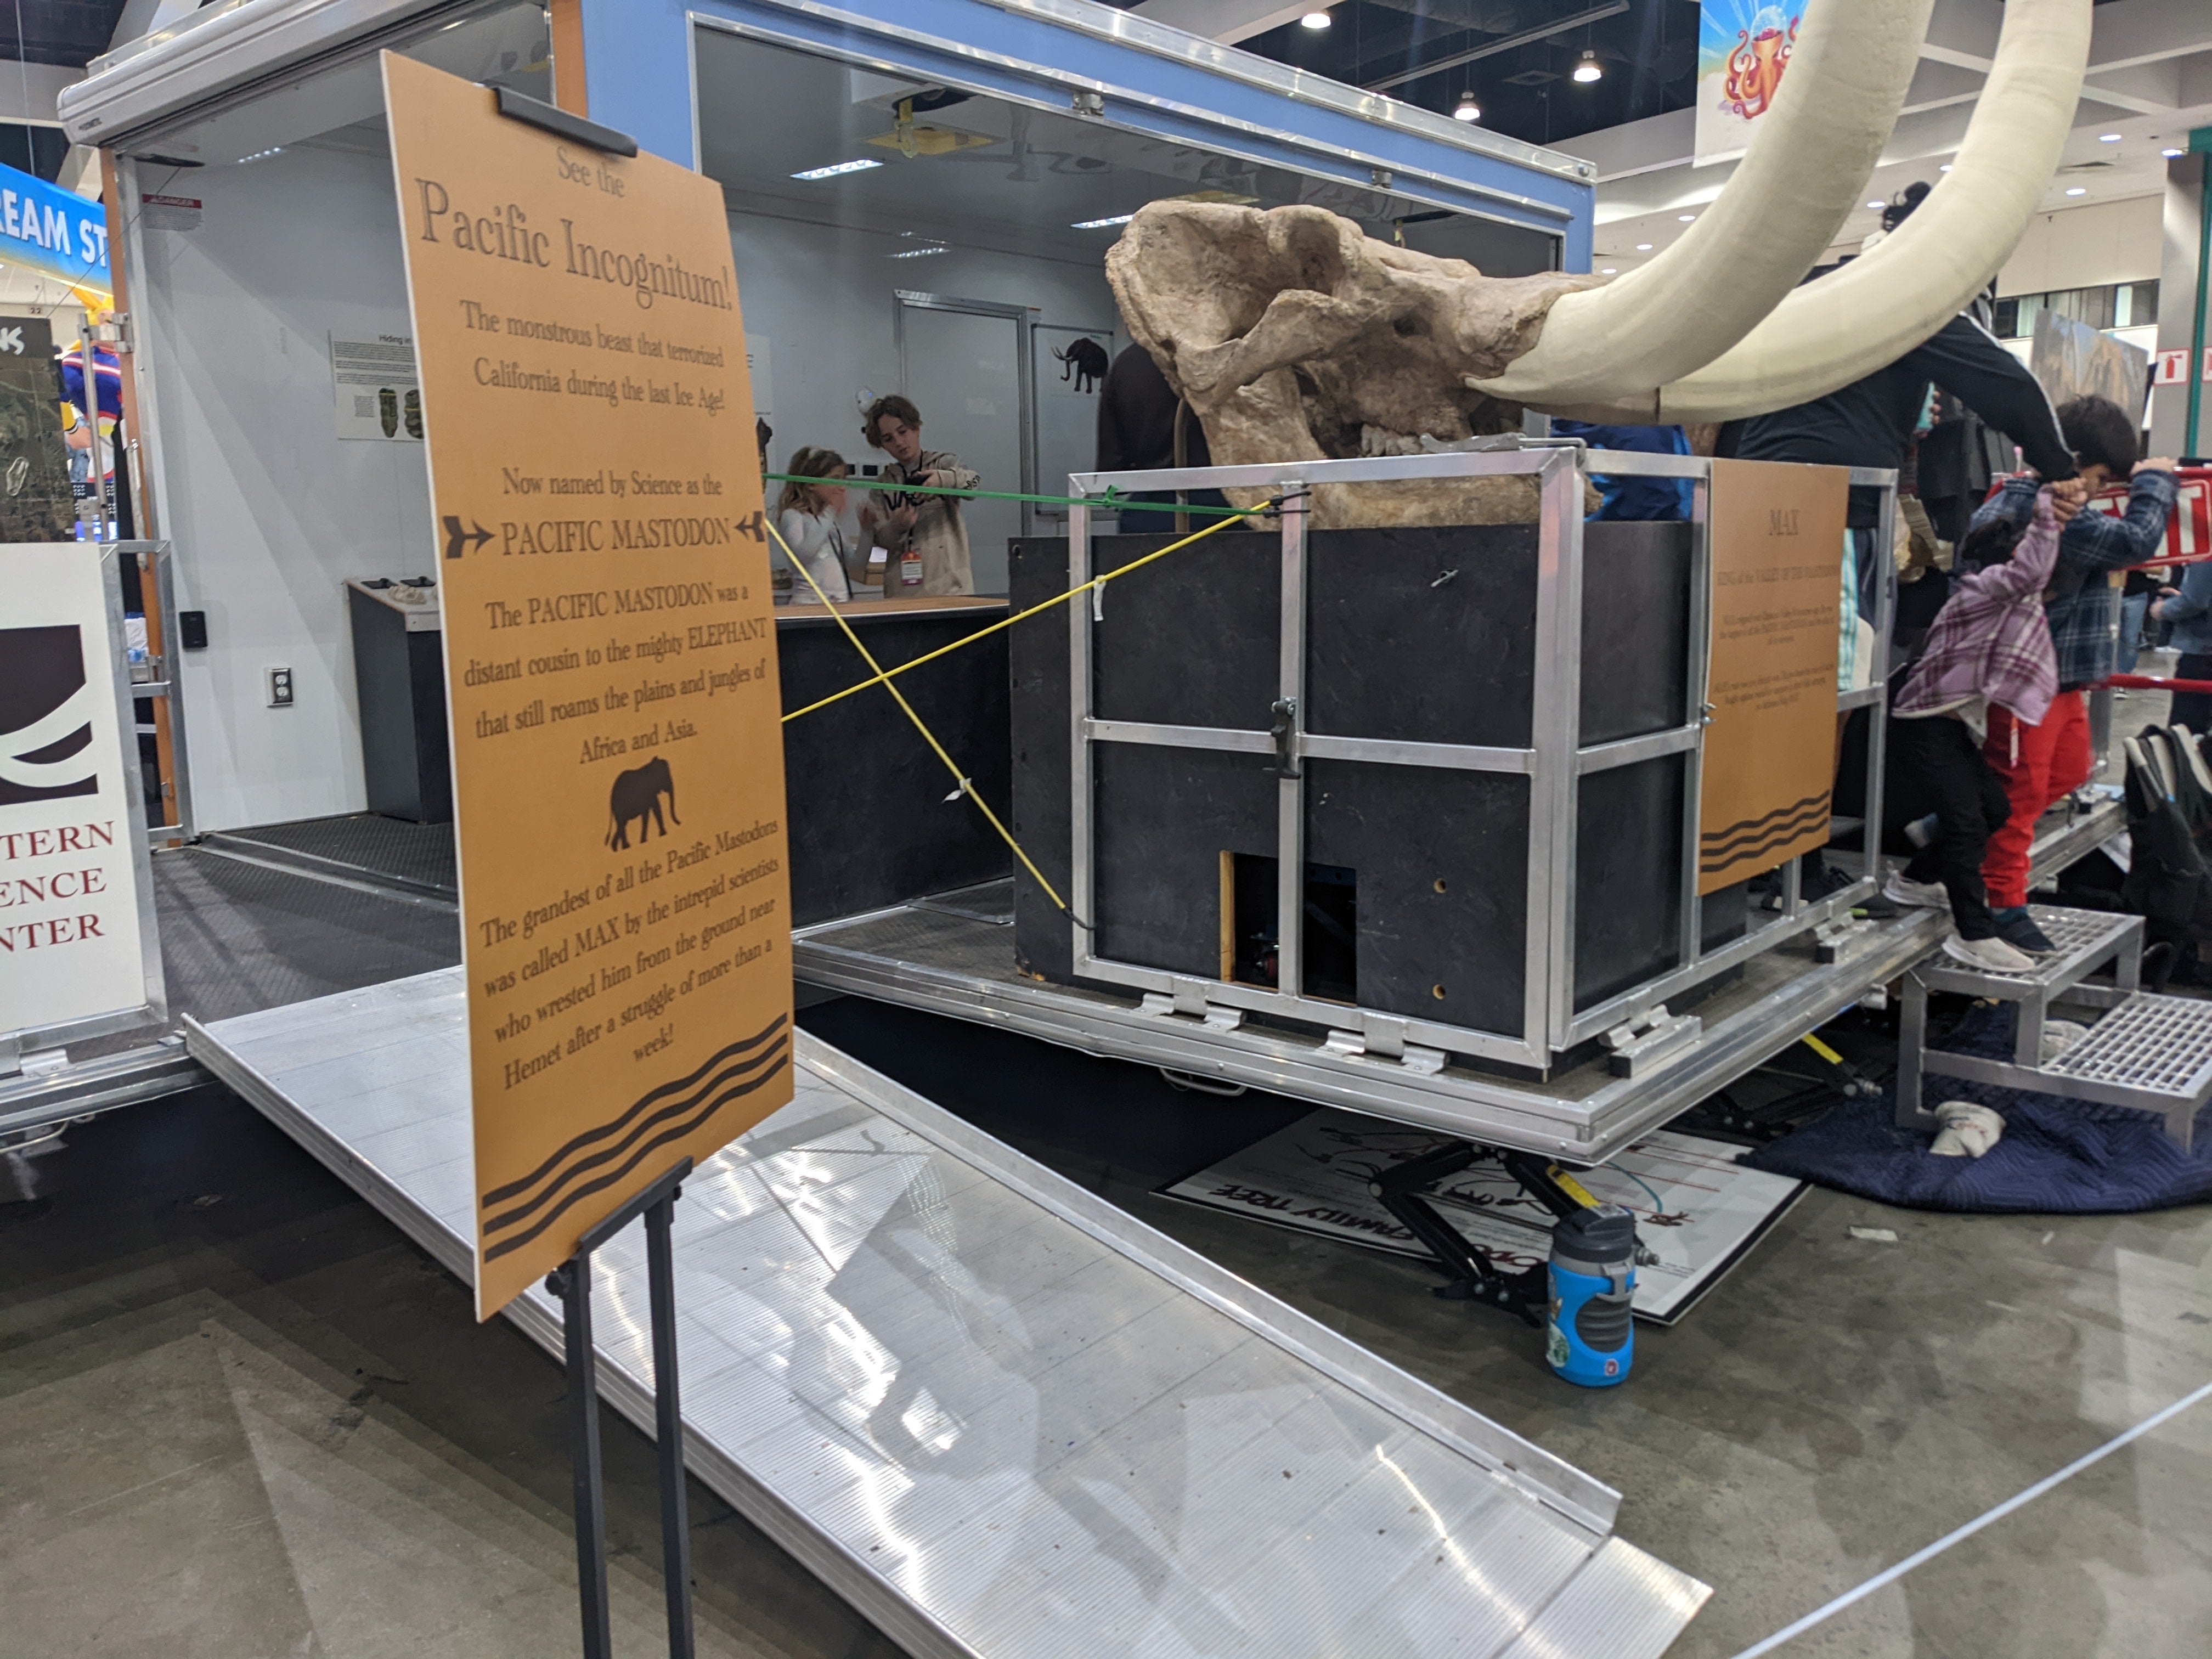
(1112, 502)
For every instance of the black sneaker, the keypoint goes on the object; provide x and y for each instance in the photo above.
(2017, 928)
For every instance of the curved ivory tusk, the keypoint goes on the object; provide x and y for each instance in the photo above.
(1774, 218)
(1900, 291)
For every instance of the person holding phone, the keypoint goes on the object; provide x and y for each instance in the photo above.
(920, 529)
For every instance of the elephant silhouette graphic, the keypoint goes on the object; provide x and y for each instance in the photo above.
(636, 794)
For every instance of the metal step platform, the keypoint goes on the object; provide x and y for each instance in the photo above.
(999, 1416)
(2150, 1053)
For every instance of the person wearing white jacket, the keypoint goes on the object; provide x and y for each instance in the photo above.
(807, 514)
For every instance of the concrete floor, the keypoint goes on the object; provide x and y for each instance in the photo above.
(242, 1418)
(239, 1416)
(1831, 1406)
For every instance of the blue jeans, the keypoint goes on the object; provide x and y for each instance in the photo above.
(2133, 609)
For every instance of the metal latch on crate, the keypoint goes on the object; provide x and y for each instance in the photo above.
(1212, 1015)
(1637, 1045)
(1841, 938)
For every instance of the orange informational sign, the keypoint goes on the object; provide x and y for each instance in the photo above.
(1770, 752)
(611, 663)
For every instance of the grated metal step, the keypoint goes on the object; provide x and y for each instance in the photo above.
(2161, 1045)
(2082, 938)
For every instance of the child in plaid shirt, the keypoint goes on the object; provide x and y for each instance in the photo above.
(1989, 648)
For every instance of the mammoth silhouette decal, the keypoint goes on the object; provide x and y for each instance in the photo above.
(1084, 361)
(636, 794)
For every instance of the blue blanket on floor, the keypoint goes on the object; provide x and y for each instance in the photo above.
(2060, 1157)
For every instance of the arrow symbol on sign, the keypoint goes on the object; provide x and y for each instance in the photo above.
(750, 528)
(456, 537)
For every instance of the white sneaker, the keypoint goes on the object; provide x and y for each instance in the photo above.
(1991, 955)
(1901, 889)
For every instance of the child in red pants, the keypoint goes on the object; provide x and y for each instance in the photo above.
(2040, 765)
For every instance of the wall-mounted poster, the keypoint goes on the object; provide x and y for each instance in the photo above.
(1744, 48)
(35, 502)
(374, 389)
(76, 944)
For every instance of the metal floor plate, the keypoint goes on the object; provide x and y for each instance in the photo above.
(999, 1416)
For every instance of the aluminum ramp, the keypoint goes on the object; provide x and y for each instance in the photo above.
(999, 1416)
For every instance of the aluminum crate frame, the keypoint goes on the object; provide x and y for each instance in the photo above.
(1555, 761)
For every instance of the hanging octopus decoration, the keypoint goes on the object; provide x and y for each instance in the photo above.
(1755, 66)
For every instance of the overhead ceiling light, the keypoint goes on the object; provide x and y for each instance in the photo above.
(917, 253)
(841, 167)
(1314, 20)
(1877, 206)
(2108, 138)
(1643, 247)
(260, 154)
(2171, 154)
(1101, 224)
(1686, 218)
(2076, 189)
(1467, 109)
(1945, 167)
(1588, 71)
(1609, 271)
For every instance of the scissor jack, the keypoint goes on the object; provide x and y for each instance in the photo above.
(1469, 1276)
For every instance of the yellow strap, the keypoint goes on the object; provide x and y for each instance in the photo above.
(1573, 1188)
(1823, 1049)
(966, 788)
(884, 676)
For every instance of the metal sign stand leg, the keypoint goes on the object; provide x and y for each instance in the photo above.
(572, 1283)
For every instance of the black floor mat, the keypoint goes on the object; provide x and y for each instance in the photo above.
(236, 938)
(420, 854)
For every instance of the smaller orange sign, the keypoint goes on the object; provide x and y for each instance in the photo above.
(1770, 751)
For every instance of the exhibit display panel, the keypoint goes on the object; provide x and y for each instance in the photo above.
(79, 953)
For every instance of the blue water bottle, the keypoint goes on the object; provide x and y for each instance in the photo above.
(1591, 1339)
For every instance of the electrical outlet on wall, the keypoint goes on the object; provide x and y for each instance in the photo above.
(280, 688)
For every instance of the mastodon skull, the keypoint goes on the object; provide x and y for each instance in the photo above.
(1295, 336)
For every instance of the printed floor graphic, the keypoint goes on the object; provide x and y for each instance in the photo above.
(1695, 1207)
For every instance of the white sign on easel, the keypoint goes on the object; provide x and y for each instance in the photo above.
(78, 954)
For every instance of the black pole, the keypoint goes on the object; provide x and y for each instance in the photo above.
(572, 1283)
(668, 1436)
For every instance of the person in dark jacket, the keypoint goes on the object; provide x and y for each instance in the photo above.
(1143, 426)
(1870, 423)
(1625, 497)
(2042, 764)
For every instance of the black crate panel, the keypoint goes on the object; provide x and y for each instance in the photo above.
(1636, 629)
(1162, 819)
(1191, 639)
(869, 823)
(1628, 877)
(1036, 569)
(1400, 646)
(1402, 830)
